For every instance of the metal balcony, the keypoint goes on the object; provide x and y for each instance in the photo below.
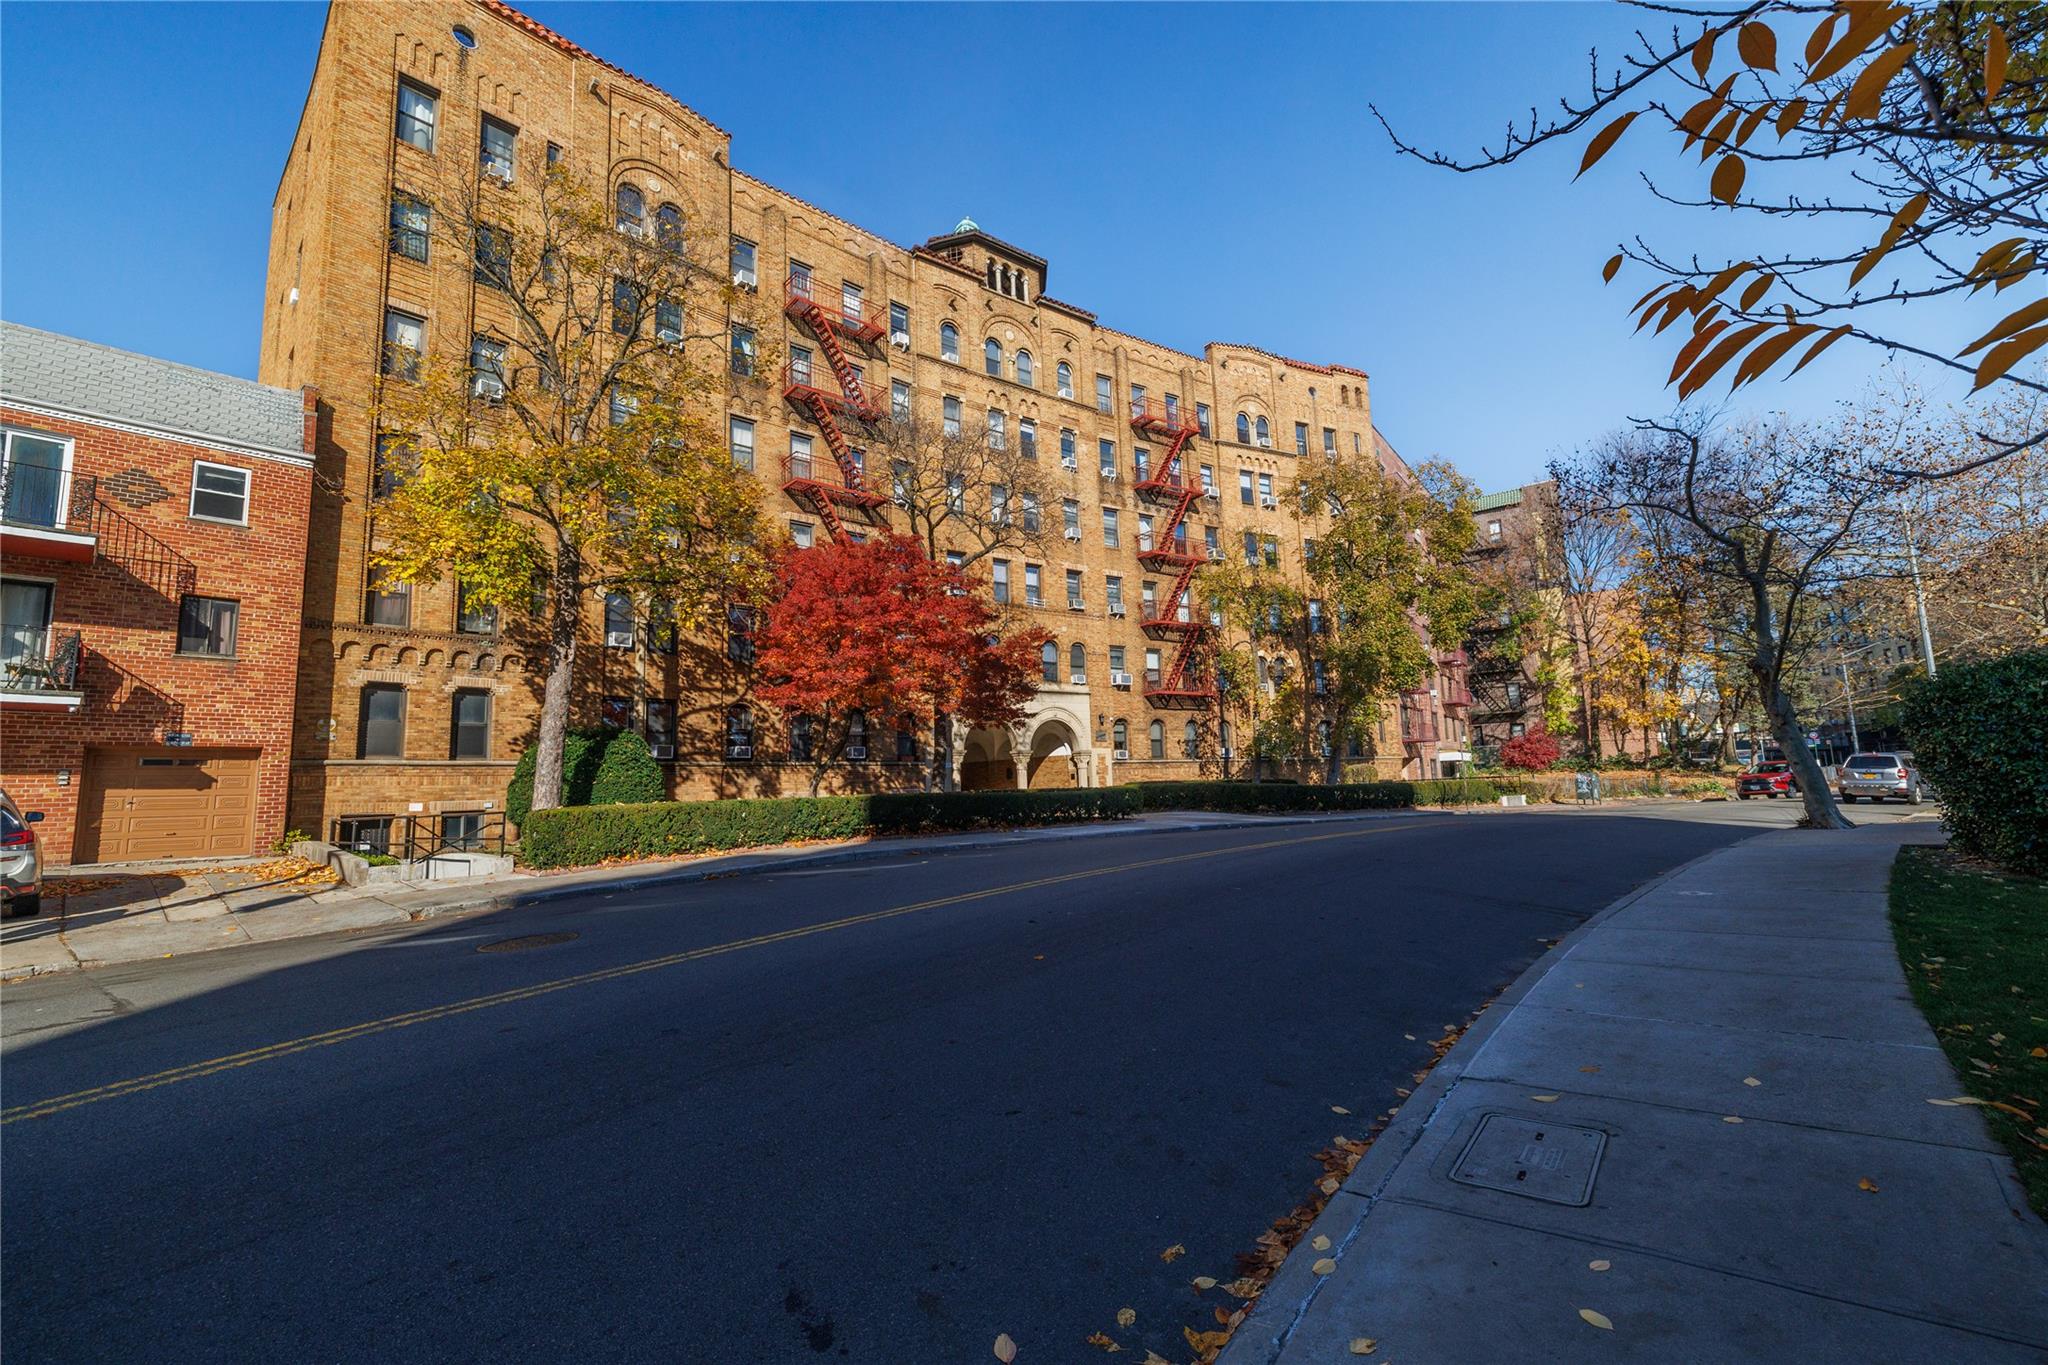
(47, 512)
(1153, 415)
(39, 670)
(855, 320)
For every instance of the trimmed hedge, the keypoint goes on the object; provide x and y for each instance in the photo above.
(599, 766)
(1979, 735)
(1258, 797)
(575, 835)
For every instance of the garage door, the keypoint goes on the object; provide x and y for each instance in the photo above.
(155, 804)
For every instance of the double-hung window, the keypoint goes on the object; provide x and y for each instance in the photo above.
(742, 351)
(380, 731)
(998, 429)
(743, 269)
(1105, 455)
(1244, 487)
(473, 617)
(1027, 437)
(219, 493)
(741, 440)
(618, 620)
(1104, 400)
(486, 369)
(949, 415)
(1109, 527)
(1034, 593)
(1301, 438)
(469, 724)
(1068, 441)
(405, 336)
(386, 602)
(899, 401)
(495, 149)
(1000, 580)
(415, 116)
(411, 226)
(1074, 601)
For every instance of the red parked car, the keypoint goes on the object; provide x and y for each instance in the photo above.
(1773, 778)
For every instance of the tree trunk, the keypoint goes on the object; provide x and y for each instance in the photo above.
(942, 753)
(1821, 810)
(565, 598)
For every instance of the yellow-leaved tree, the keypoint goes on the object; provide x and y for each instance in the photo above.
(581, 450)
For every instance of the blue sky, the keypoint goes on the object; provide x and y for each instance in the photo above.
(1192, 173)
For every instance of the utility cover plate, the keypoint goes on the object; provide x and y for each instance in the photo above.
(1553, 1162)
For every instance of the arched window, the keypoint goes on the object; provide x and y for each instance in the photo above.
(632, 211)
(992, 357)
(668, 229)
(1024, 375)
(949, 342)
(1121, 736)
(1049, 661)
(1077, 662)
(1244, 430)
(1265, 433)
(1155, 738)
(1191, 740)
(1065, 376)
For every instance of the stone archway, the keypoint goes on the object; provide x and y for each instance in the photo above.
(988, 761)
(1052, 762)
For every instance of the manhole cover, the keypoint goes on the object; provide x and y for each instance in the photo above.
(1549, 1161)
(517, 945)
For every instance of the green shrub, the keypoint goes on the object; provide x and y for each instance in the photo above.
(590, 768)
(575, 835)
(1259, 797)
(1456, 791)
(1979, 735)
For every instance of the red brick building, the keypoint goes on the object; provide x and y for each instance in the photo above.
(152, 566)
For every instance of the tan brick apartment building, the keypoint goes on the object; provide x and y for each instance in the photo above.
(402, 708)
(1514, 536)
(152, 549)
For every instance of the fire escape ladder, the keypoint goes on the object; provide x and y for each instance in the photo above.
(1170, 486)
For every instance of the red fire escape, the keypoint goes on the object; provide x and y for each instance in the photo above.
(850, 400)
(1167, 483)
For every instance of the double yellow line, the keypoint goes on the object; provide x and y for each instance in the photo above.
(194, 1070)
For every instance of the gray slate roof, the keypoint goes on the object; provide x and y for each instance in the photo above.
(91, 380)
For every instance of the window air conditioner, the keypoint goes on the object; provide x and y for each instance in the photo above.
(739, 751)
(498, 170)
(1215, 554)
(900, 340)
(1076, 604)
(1079, 679)
(1069, 464)
(1116, 609)
(662, 751)
(1073, 533)
(1123, 753)
(1227, 751)
(857, 753)
(618, 639)
(1119, 678)
(1269, 503)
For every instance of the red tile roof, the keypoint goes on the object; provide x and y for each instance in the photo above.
(549, 36)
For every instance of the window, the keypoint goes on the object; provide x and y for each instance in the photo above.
(618, 620)
(1191, 740)
(1514, 694)
(1109, 527)
(998, 429)
(799, 455)
(365, 833)
(554, 155)
(1152, 673)
(1301, 438)
(1493, 530)
(1116, 658)
(1244, 430)
(616, 713)
(388, 466)
(632, 211)
(1063, 379)
(1077, 663)
(1137, 398)
(1272, 553)
(998, 505)
(668, 321)
(992, 357)
(1202, 418)
(495, 149)
(1074, 601)
(1265, 490)
(743, 270)
(415, 116)
(1173, 407)
(1000, 569)
(1223, 734)
(1515, 729)
(1315, 616)
(381, 731)
(220, 493)
(1144, 533)
(1121, 731)
(803, 732)
(899, 401)
(1264, 433)
(1070, 518)
(628, 299)
(739, 633)
(386, 604)
(623, 406)
(1103, 401)
(949, 342)
(1049, 662)
(668, 229)
(740, 438)
(1105, 456)
(1244, 487)
(956, 492)
(1141, 463)
(1319, 676)
(1208, 481)
(405, 336)
(899, 323)
(906, 746)
(950, 415)
(1033, 521)
(206, 625)
(1148, 600)
(1155, 737)
(1210, 542)
(472, 617)
(411, 226)
(470, 725)
(486, 369)
(491, 257)
(1034, 595)
(742, 351)
(803, 533)
(1027, 437)
(1251, 548)
(1025, 374)
(1330, 442)
(1068, 456)
(739, 732)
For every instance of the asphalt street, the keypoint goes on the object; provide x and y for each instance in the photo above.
(879, 1112)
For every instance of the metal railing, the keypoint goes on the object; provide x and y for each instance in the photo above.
(47, 496)
(36, 660)
(421, 838)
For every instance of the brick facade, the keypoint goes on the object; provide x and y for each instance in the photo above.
(333, 275)
(129, 491)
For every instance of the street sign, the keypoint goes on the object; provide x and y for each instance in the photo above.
(1586, 786)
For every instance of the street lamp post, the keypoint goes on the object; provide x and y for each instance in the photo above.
(1919, 599)
(1848, 699)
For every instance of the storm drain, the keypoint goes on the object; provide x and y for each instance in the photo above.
(521, 944)
(1548, 1161)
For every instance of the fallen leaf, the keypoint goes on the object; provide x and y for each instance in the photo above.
(1544, 1099)
(1339, 1109)
(1204, 1341)
(1245, 1287)
(1589, 1070)
(1363, 1346)
(1751, 1080)
(1222, 1317)
(1006, 1349)
(1101, 1342)
(1126, 1316)
(1324, 1266)
(1598, 1265)
(2039, 1052)
(1867, 1185)
(1321, 1243)
(1173, 1253)
(1409, 1036)
(1328, 1184)
(1596, 1319)
(1154, 1358)
(1730, 1118)
(1204, 1281)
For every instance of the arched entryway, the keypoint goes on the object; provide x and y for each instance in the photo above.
(988, 761)
(1053, 757)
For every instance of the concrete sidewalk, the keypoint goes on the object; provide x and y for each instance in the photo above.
(169, 911)
(1702, 1119)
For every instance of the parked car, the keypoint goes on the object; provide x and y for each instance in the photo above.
(1772, 778)
(21, 862)
(1879, 776)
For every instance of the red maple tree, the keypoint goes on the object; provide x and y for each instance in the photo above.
(1530, 752)
(878, 628)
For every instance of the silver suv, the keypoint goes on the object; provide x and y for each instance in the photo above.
(1879, 776)
(21, 862)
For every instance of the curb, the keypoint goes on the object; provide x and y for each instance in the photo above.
(1266, 1331)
